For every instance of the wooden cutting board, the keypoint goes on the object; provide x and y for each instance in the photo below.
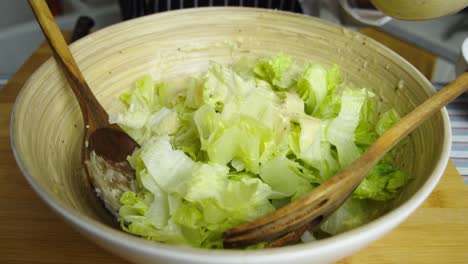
(31, 233)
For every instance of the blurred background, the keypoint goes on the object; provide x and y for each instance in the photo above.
(20, 35)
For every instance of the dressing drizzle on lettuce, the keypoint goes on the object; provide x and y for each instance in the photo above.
(229, 146)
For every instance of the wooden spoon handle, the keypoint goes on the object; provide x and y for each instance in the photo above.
(94, 114)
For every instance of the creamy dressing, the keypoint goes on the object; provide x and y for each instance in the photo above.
(110, 180)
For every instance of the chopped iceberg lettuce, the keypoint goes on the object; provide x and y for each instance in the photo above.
(341, 130)
(280, 71)
(312, 87)
(236, 142)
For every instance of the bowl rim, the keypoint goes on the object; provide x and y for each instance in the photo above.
(366, 232)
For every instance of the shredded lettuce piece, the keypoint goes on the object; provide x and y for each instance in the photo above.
(312, 87)
(340, 131)
(222, 84)
(141, 103)
(169, 169)
(383, 182)
(280, 71)
(283, 176)
(387, 120)
(365, 133)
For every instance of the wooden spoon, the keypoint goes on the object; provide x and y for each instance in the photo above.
(105, 146)
(287, 224)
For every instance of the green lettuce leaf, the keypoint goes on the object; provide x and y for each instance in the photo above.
(187, 138)
(170, 169)
(383, 182)
(222, 84)
(312, 87)
(141, 103)
(139, 216)
(283, 176)
(280, 71)
(387, 120)
(340, 132)
(365, 133)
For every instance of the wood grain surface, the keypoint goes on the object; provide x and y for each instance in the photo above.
(31, 233)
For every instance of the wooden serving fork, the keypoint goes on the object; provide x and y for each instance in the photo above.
(287, 224)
